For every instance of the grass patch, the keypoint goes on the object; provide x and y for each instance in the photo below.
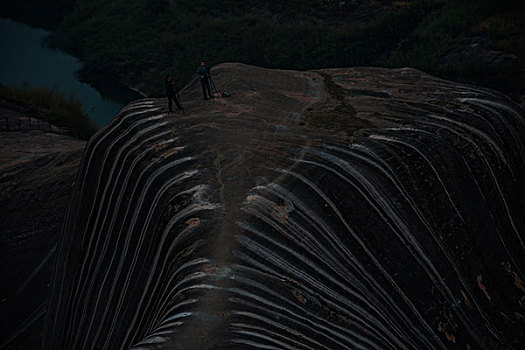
(60, 110)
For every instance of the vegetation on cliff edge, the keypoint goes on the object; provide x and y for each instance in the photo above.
(60, 109)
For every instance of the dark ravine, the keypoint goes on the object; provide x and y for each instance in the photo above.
(249, 223)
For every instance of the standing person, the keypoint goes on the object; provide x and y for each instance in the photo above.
(170, 92)
(203, 72)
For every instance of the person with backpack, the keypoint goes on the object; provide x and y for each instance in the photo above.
(204, 74)
(170, 92)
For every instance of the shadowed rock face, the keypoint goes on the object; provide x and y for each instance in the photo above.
(340, 209)
(37, 175)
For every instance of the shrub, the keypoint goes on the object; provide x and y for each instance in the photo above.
(60, 109)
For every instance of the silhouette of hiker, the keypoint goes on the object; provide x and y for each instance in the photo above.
(204, 73)
(170, 92)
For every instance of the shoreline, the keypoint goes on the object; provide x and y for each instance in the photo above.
(101, 94)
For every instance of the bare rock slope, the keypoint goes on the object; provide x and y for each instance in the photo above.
(353, 208)
(37, 175)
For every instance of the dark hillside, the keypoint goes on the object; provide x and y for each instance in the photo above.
(37, 176)
(137, 42)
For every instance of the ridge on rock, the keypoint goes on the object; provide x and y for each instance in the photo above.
(358, 208)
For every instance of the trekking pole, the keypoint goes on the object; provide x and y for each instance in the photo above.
(189, 84)
(210, 88)
(214, 87)
(177, 96)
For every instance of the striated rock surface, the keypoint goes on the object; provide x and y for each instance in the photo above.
(37, 175)
(340, 209)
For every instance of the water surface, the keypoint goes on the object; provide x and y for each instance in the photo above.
(26, 61)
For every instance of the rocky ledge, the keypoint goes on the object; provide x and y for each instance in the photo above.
(353, 208)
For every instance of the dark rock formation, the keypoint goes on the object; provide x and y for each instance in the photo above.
(37, 175)
(342, 209)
